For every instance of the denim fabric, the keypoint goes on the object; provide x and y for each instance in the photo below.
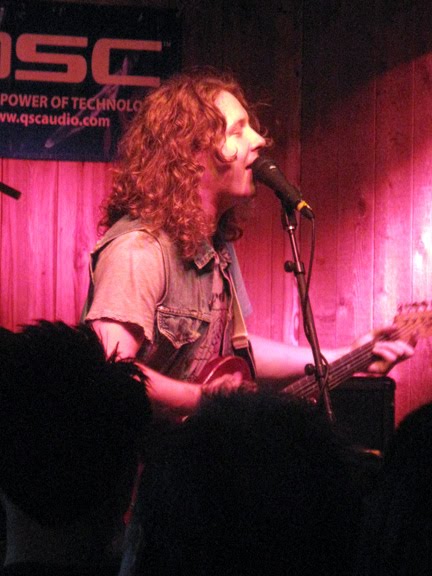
(184, 314)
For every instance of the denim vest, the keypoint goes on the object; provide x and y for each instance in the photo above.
(183, 314)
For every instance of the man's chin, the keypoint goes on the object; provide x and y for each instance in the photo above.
(251, 193)
(245, 197)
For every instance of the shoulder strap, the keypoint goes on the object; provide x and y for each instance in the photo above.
(240, 340)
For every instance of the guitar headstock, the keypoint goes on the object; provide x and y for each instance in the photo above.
(414, 318)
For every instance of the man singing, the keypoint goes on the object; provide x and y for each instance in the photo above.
(165, 275)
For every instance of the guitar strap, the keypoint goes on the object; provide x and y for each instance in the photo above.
(239, 339)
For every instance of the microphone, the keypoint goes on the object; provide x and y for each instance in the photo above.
(266, 171)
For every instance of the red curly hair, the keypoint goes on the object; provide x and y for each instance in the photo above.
(157, 174)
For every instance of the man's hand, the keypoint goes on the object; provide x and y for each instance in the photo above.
(390, 352)
(227, 384)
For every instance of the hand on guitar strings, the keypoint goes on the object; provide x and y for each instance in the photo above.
(389, 348)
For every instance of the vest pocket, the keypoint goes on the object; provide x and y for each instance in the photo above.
(181, 327)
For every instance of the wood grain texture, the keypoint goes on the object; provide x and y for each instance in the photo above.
(345, 89)
(28, 242)
(366, 142)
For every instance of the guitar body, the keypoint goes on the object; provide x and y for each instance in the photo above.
(222, 366)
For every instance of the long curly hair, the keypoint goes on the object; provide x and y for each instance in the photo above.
(157, 174)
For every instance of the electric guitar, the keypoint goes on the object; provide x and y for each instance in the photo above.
(412, 319)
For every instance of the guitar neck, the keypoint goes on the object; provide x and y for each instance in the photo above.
(356, 361)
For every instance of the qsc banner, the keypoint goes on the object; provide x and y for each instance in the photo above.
(72, 75)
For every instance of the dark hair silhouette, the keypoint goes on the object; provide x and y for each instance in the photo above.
(250, 484)
(71, 422)
(397, 530)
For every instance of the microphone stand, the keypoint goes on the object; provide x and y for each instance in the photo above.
(289, 223)
(9, 191)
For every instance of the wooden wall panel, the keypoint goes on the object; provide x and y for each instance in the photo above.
(421, 233)
(393, 186)
(365, 137)
(29, 235)
(82, 187)
(345, 90)
(46, 237)
(356, 170)
(70, 239)
(319, 165)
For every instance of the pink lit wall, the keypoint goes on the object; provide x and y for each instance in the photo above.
(350, 109)
(46, 236)
(366, 168)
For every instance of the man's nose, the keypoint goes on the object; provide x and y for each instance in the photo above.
(257, 141)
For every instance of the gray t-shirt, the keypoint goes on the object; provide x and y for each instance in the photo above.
(129, 281)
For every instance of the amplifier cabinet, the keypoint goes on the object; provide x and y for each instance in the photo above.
(364, 411)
